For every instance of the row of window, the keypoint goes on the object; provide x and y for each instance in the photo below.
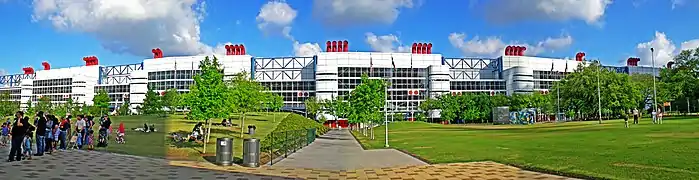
(173, 74)
(11, 91)
(477, 85)
(543, 84)
(549, 75)
(51, 98)
(395, 83)
(381, 72)
(165, 85)
(53, 90)
(398, 95)
(54, 82)
(114, 89)
(290, 86)
(294, 96)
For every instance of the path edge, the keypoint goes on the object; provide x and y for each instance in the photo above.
(553, 172)
(399, 150)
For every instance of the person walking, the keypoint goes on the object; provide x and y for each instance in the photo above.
(105, 124)
(40, 133)
(19, 129)
(660, 115)
(635, 115)
(64, 132)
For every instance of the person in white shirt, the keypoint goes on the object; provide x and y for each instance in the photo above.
(80, 130)
(635, 116)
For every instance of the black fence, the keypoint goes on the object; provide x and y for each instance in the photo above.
(278, 145)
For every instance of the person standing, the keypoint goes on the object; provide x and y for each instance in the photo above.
(80, 126)
(19, 129)
(660, 115)
(105, 124)
(40, 133)
(64, 130)
(48, 133)
(635, 115)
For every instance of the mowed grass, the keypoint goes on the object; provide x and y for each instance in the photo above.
(645, 151)
(160, 145)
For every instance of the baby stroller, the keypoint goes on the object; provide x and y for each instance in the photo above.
(102, 142)
(120, 138)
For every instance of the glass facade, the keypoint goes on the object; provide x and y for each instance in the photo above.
(54, 89)
(290, 91)
(402, 81)
(177, 79)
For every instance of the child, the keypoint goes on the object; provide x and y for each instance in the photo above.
(90, 139)
(27, 145)
(121, 132)
(5, 136)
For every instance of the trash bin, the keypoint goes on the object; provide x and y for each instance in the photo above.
(224, 151)
(311, 135)
(251, 152)
(251, 130)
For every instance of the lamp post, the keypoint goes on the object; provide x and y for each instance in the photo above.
(385, 109)
(655, 93)
(599, 94)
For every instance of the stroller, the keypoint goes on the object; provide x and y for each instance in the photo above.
(102, 142)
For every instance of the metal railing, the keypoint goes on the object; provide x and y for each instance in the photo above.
(278, 145)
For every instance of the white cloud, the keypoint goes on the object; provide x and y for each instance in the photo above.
(130, 26)
(493, 46)
(349, 12)
(664, 50)
(3, 72)
(690, 45)
(505, 11)
(385, 43)
(306, 49)
(276, 17)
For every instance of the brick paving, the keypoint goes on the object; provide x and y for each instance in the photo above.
(88, 165)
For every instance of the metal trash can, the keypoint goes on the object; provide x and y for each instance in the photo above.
(311, 135)
(251, 130)
(251, 152)
(224, 151)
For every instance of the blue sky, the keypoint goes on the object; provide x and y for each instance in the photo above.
(122, 32)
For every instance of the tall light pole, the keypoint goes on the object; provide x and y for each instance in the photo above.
(385, 109)
(599, 95)
(655, 93)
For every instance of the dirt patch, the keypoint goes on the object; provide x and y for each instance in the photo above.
(422, 147)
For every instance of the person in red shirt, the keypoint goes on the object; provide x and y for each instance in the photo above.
(121, 132)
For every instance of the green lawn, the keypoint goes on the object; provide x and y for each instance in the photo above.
(160, 145)
(645, 151)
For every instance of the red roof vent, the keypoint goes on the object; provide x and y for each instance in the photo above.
(580, 56)
(632, 61)
(28, 70)
(91, 60)
(345, 46)
(157, 53)
(46, 65)
(237, 49)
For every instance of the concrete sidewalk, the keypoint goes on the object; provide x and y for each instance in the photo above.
(338, 150)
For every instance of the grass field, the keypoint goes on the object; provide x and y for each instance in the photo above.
(645, 151)
(159, 145)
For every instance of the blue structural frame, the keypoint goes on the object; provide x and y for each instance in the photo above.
(252, 68)
(118, 74)
(15, 79)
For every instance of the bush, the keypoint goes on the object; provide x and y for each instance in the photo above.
(298, 122)
(291, 133)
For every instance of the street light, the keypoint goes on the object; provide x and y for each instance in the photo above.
(385, 108)
(599, 95)
(655, 93)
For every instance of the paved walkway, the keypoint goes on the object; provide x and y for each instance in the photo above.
(338, 150)
(78, 165)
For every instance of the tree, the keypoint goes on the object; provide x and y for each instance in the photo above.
(171, 99)
(208, 97)
(681, 82)
(275, 102)
(101, 101)
(367, 100)
(245, 95)
(124, 108)
(313, 106)
(44, 104)
(30, 108)
(7, 106)
(152, 104)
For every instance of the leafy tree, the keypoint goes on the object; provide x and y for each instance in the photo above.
(274, 102)
(367, 101)
(208, 97)
(171, 99)
(30, 107)
(44, 104)
(152, 104)
(124, 108)
(520, 101)
(245, 95)
(7, 106)
(313, 106)
(681, 82)
(101, 101)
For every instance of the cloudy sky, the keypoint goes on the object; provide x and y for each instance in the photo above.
(124, 31)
